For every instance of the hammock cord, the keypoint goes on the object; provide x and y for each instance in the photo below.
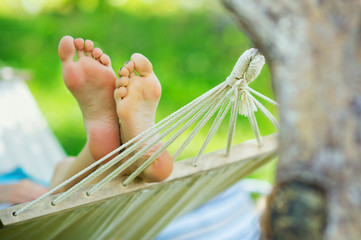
(233, 93)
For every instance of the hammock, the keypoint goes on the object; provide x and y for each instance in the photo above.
(120, 206)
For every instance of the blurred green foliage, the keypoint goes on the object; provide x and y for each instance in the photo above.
(192, 48)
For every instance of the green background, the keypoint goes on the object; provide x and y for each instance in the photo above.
(193, 46)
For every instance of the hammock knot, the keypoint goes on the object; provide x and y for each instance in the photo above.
(239, 86)
(231, 80)
(248, 67)
(242, 85)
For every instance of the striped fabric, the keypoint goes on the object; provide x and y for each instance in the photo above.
(230, 215)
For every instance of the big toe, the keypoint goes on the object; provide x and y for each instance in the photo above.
(141, 64)
(66, 48)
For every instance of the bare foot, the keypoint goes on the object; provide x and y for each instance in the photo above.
(137, 99)
(92, 82)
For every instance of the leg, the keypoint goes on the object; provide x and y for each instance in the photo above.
(60, 171)
(70, 166)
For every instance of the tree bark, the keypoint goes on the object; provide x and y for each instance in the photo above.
(313, 48)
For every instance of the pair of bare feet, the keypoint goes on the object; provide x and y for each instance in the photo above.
(106, 100)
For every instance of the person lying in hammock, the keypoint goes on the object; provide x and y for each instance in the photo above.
(104, 100)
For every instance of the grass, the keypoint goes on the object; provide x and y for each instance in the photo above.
(191, 51)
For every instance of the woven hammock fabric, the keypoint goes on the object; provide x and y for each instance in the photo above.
(140, 210)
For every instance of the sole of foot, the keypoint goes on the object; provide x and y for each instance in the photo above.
(91, 80)
(137, 95)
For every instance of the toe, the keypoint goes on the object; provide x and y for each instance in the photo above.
(130, 66)
(88, 47)
(122, 82)
(96, 53)
(142, 65)
(105, 59)
(79, 45)
(120, 93)
(66, 49)
(123, 72)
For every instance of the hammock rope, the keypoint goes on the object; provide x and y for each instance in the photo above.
(234, 93)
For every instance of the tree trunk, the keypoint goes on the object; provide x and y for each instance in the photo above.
(313, 48)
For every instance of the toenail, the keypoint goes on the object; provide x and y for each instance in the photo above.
(120, 69)
(127, 62)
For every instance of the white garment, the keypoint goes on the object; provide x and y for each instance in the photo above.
(26, 141)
